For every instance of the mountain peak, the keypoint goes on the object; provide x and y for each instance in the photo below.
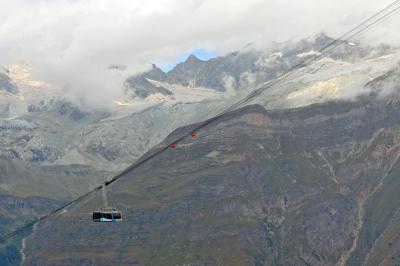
(191, 62)
(321, 37)
(155, 68)
(192, 58)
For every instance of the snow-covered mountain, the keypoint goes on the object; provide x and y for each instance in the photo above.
(247, 67)
(41, 126)
(54, 147)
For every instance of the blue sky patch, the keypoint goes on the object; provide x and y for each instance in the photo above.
(202, 54)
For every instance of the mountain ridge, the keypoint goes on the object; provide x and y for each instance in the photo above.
(45, 134)
(256, 187)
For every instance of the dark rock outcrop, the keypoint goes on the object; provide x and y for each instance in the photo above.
(6, 84)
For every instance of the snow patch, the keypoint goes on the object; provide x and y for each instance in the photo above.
(310, 53)
(268, 60)
(318, 91)
(16, 124)
(213, 154)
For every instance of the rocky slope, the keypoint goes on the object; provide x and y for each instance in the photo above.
(248, 67)
(6, 83)
(316, 185)
(54, 148)
(41, 126)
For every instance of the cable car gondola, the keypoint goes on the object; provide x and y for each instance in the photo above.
(106, 214)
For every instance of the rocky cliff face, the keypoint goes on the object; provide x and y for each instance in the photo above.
(40, 126)
(16, 212)
(70, 148)
(6, 83)
(248, 67)
(310, 186)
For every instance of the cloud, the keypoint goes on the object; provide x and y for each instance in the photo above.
(72, 43)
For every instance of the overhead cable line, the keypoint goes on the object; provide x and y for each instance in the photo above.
(343, 39)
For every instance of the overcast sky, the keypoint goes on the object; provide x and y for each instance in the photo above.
(72, 42)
